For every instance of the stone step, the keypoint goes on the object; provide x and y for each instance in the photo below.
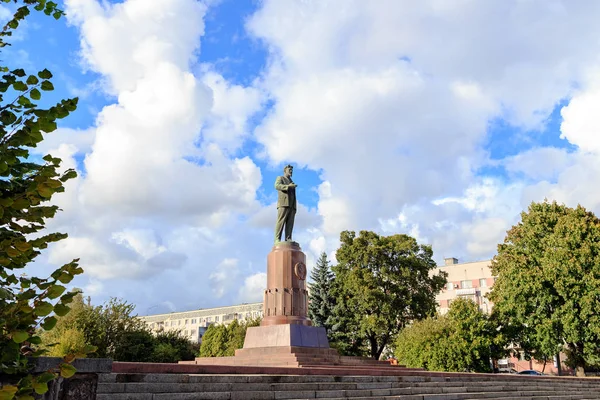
(397, 380)
(339, 395)
(324, 389)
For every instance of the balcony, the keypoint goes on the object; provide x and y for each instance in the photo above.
(466, 292)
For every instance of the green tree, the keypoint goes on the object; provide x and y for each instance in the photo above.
(236, 333)
(321, 302)
(111, 327)
(462, 340)
(222, 341)
(215, 341)
(547, 290)
(381, 284)
(25, 186)
(124, 337)
(173, 346)
(67, 337)
(424, 344)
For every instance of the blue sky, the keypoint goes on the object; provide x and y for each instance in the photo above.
(440, 122)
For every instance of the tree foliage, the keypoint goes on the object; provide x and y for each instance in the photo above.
(111, 327)
(548, 283)
(224, 340)
(321, 300)
(117, 333)
(66, 337)
(172, 346)
(462, 340)
(381, 284)
(26, 186)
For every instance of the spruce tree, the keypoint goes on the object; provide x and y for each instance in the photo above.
(321, 299)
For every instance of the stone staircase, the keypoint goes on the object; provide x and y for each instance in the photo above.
(426, 386)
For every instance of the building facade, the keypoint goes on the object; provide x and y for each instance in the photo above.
(194, 323)
(471, 280)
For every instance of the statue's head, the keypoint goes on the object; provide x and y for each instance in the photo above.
(288, 170)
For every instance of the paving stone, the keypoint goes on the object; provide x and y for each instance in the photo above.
(107, 378)
(110, 388)
(374, 385)
(324, 394)
(304, 394)
(193, 396)
(252, 395)
(125, 396)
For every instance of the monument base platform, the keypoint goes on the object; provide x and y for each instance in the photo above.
(290, 356)
(290, 335)
(287, 346)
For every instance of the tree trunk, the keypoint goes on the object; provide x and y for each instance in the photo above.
(373, 343)
(558, 366)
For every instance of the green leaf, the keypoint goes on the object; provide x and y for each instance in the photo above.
(43, 308)
(69, 174)
(19, 204)
(35, 340)
(88, 348)
(67, 370)
(46, 86)
(61, 310)
(57, 15)
(65, 277)
(19, 336)
(20, 86)
(39, 387)
(19, 72)
(23, 246)
(35, 94)
(46, 377)
(45, 74)
(49, 323)
(47, 125)
(7, 392)
(55, 291)
(5, 294)
(45, 191)
(68, 298)
(32, 80)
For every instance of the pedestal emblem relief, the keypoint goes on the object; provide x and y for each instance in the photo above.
(300, 271)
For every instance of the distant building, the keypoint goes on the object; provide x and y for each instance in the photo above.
(472, 280)
(194, 323)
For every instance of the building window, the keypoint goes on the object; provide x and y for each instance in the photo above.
(193, 332)
(466, 284)
(193, 320)
(185, 332)
(482, 282)
(208, 319)
(179, 322)
(449, 286)
(217, 318)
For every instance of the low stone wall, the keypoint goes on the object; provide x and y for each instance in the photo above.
(82, 386)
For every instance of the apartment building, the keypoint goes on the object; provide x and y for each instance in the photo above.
(194, 323)
(472, 280)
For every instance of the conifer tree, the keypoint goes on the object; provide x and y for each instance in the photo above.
(321, 299)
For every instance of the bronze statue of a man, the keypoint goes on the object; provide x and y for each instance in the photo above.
(286, 204)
